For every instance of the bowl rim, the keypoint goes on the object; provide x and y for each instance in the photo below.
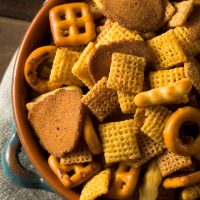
(23, 127)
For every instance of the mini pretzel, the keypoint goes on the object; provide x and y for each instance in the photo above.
(172, 127)
(164, 95)
(123, 181)
(37, 58)
(70, 29)
(182, 181)
(81, 173)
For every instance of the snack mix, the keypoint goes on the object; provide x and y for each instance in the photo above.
(116, 98)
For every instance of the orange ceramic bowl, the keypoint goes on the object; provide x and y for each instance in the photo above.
(35, 37)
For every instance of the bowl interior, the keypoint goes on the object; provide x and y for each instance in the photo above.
(36, 36)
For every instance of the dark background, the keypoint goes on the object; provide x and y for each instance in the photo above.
(15, 17)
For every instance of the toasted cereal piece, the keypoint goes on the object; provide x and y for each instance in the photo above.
(167, 50)
(169, 11)
(101, 100)
(96, 186)
(192, 71)
(148, 149)
(191, 48)
(191, 193)
(183, 10)
(156, 118)
(117, 33)
(139, 118)
(126, 73)
(80, 68)
(80, 154)
(126, 101)
(166, 77)
(170, 162)
(62, 67)
(152, 179)
(119, 141)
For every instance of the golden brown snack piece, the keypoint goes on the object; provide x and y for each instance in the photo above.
(126, 73)
(167, 50)
(100, 60)
(101, 100)
(172, 129)
(38, 57)
(81, 173)
(124, 175)
(182, 181)
(191, 193)
(90, 136)
(96, 186)
(119, 141)
(56, 118)
(154, 124)
(152, 180)
(143, 16)
(171, 94)
(170, 163)
(72, 24)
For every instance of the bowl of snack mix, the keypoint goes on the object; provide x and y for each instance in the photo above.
(106, 98)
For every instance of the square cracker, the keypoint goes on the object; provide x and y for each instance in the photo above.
(183, 10)
(167, 50)
(63, 63)
(170, 163)
(119, 141)
(80, 68)
(126, 73)
(156, 118)
(101, 100)
(96, 186)
(191, 48)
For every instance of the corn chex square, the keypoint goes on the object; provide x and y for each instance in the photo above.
(171, 162)
(191, 48)
(161, 78)
(80, 68)
(117, 33)
(126, 73)
(96, 186)
(101, 100)
(167, 50)
(119, 141)
(126, 101)
(183, 10)
(63, 63)
(169, 11)
(156, 118)
(148, 149)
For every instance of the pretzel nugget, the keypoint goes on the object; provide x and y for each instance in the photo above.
(80, 68)
(80, 175)
(171, 94)
(61, 71)
(182, 181)
(126, 73)
(171, 132)
(167, 50)
(40, 57)
(90, 136)
(68, 29)
(151, 182)
(96, 186)
(191, 193)
(123, 181)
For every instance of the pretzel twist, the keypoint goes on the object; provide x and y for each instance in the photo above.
(171, 132)
(182, 181)
(81, 172)
(37, 58)
(171, 94)
(123, 181)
